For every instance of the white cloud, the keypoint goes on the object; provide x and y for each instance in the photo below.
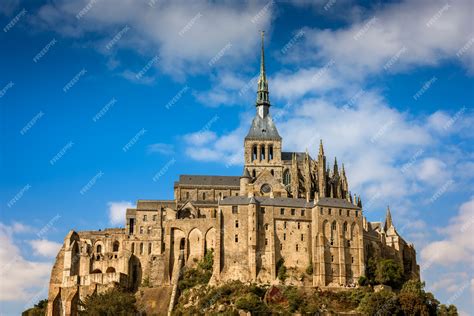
(44, 247)
(161, 148)
(117, 212)
(457, 246)
(185, 35)
(397, 36)
(432, 171)
(21, 279)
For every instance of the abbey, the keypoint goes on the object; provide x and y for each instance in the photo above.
(286, 208)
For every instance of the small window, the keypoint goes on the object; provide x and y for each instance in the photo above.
(99, 249)
(133, 248)
(235, 209)
(321, 211)
(299, 225)
(154, 218)
(149, 248)
(345, 227)
(115, 246)
(266, 241)
(357, 213)
(141, 229)
(302, 212)
(187, 195)
(149, 230)
(282, 211)
(236, 238)
(272, 172)
(236, 224)
(204, 196)
(263, 210)
(329, 211)
(141, 248)
(281, 246)
(297, 247)
(348, 243)
(144, 218)
(332, 242)
(284, 224)
(333, 226)
(302, 237)
(352, 259)
(254, 173)
(270, 153)
(340, 212)
(284, 236)
(332, 258)
(266, 226)
(292, 211)
(348, 212)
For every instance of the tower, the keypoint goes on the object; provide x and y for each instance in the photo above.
(262, 145)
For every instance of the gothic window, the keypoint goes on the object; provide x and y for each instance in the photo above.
(115, 246)
(262, 152)
(333, 226)
(99, 249)
(286, 177)
(254, 152)
(284, 224)
(266, 188)
(270, 153)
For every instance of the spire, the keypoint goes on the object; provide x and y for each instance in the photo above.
(263, 100)
(321, 149)
(343, 170)
(388, 219)
(336, 171)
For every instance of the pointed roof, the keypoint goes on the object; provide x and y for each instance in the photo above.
(246, 173)
(321, 148)
(262, 92)
(388, 219)
(336, 170)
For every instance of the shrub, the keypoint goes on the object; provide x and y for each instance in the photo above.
(200, 275)
(380, 303)
(39, 309)
(294, 297)
(281, 270)
(250, 302)
(363, 281)
(309, 269)
(112, 302)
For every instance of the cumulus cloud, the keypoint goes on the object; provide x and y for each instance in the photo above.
(117, 212)
(189, 37)
(44, 247)
(457, 245)
(21, 279)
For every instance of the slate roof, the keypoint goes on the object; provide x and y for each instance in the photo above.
(325, 201)
(287, 155)
(233, 181)
(263, 128)
(288, 202)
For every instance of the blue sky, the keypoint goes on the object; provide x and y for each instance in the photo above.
(106, 102)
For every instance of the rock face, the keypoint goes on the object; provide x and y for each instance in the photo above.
(285, 207)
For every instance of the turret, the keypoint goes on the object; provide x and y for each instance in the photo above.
(244, 181)
(321, 170)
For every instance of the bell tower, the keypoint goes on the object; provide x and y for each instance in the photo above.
(263, 143)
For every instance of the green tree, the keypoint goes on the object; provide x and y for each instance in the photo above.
(111, 303)
(389, 273)
(380, 303)
(415, 301)
(39, 309)
(281, 270)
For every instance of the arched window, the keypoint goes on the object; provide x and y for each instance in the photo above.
(270, 152)
(333, 227)
(272, 172)
(254, 173)
(286, 177)
(262, 152)
(116, 245)
(345, 227)
(254, 152)
(99, 249)
(110, 270)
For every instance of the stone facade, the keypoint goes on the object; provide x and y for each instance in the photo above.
(285, 205)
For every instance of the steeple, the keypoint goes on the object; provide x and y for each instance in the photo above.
(321, 149)
(388, 219)
(336, 169)
(263, 100)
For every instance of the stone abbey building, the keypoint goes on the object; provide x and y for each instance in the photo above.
(285, 205)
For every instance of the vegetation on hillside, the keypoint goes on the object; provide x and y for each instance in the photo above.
(199, 275)
(111, 303)
(39, 309)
